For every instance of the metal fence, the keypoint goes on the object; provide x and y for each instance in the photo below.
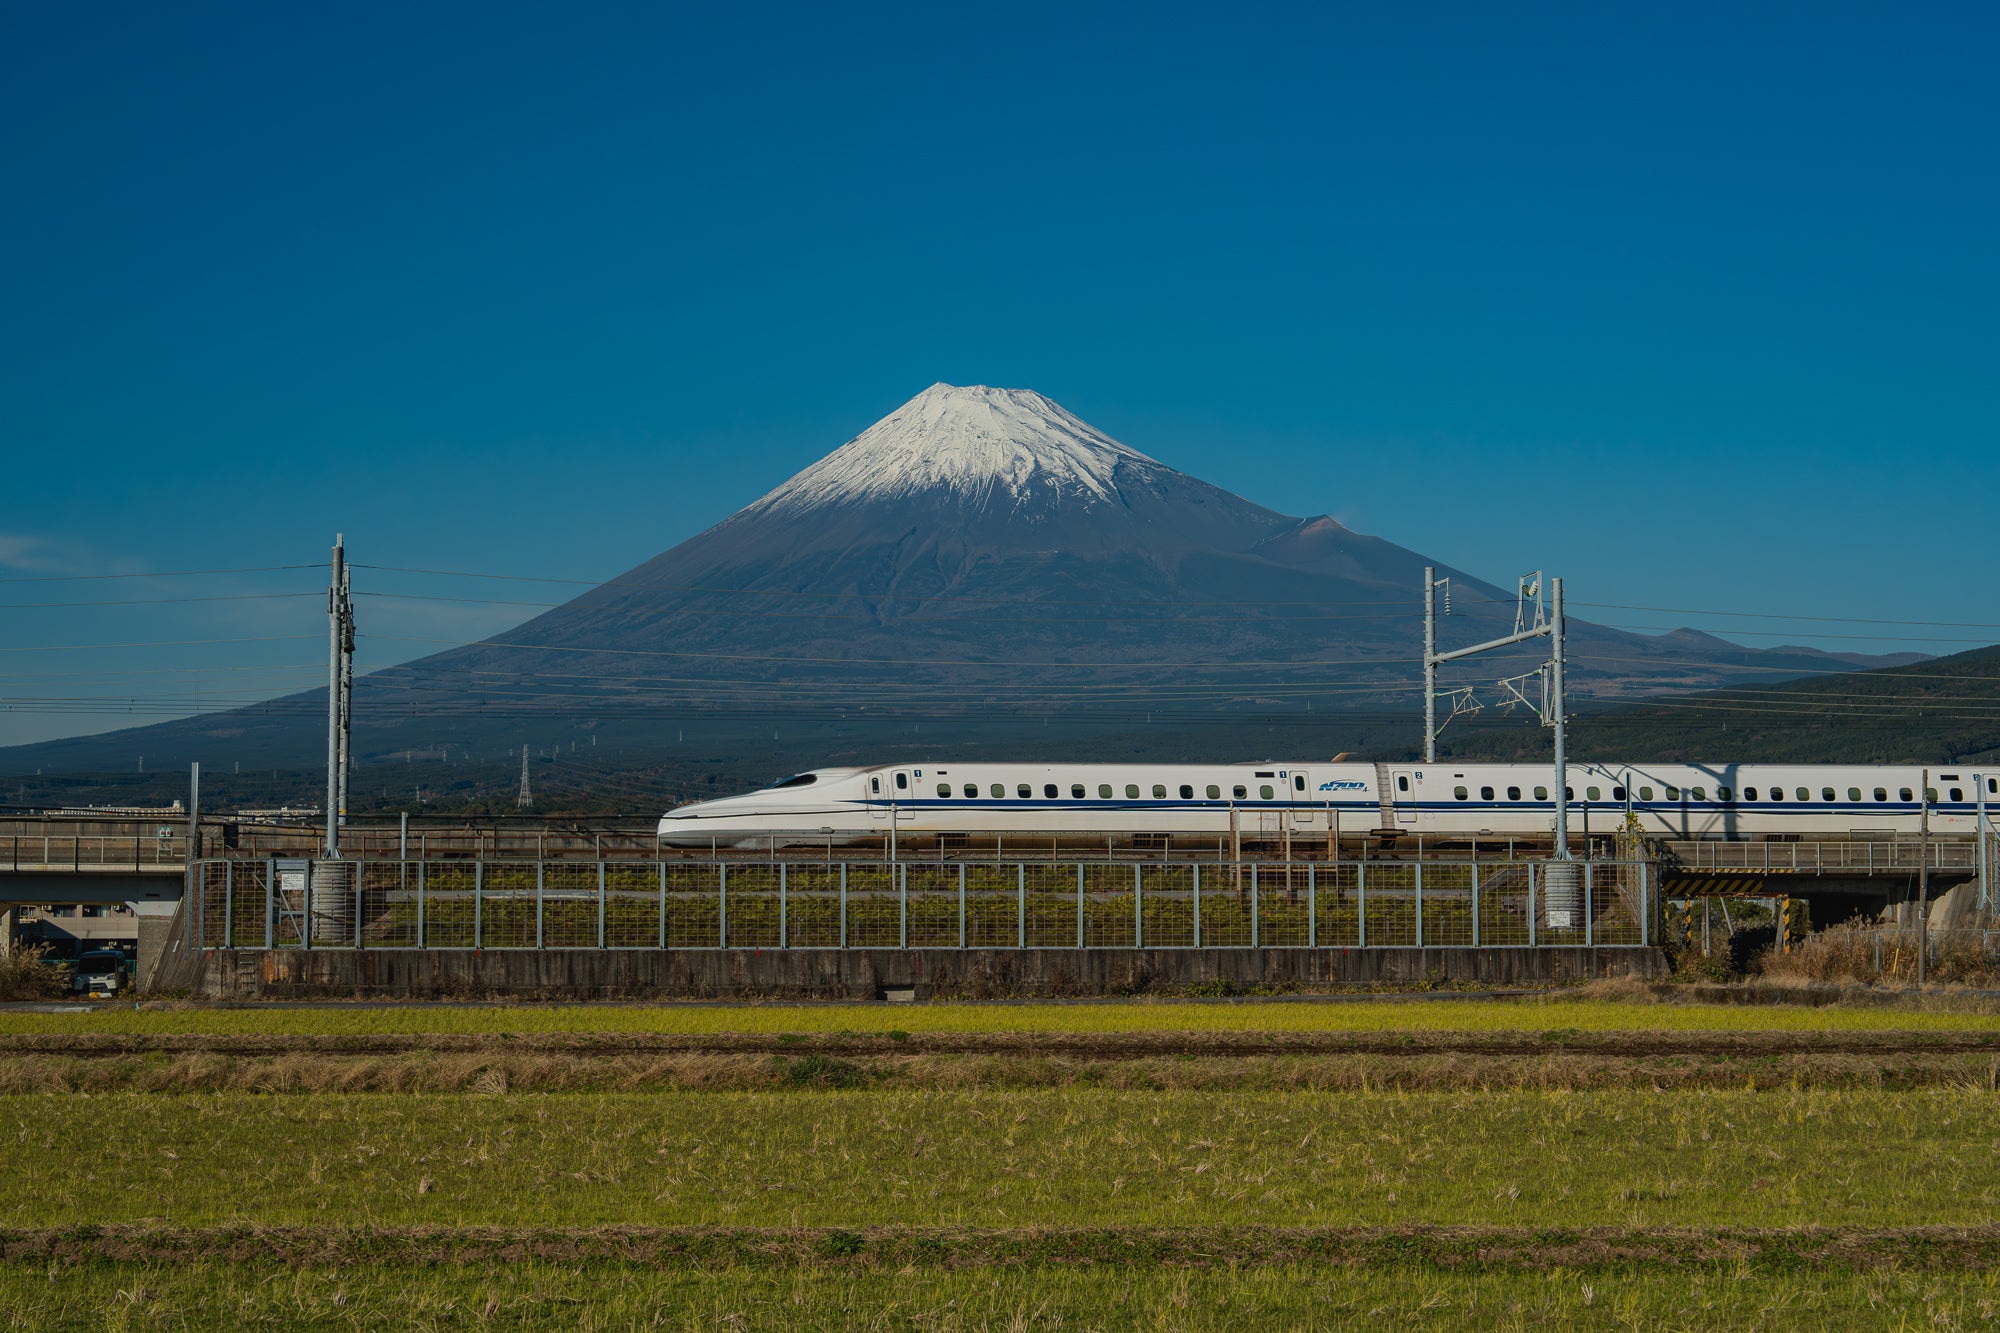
(965, 905)
(1873, 856)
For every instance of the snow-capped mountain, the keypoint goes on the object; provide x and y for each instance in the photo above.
(980, 552)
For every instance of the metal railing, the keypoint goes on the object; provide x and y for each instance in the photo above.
(357, 904)
(1866, 857)
(91, 854)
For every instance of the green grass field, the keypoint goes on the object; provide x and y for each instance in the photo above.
(1529, 1015)
(613, 1296)
(1135, 1197)
(1065, 1157)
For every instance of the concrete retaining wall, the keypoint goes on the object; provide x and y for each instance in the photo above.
(589, 974)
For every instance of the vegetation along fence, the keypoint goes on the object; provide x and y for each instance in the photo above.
(989, 905)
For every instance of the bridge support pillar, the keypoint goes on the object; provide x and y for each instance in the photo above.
(6, 930)
(156, 924)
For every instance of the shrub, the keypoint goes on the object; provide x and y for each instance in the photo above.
(26, 974)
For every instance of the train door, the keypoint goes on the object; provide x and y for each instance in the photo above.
(1308, 810)
(878, 797)
(1403, 791)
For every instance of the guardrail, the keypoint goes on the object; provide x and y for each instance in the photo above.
(357, 904)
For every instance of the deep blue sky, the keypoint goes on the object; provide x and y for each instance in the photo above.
(1694, 304)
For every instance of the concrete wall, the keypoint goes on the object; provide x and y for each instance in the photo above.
(581, 974)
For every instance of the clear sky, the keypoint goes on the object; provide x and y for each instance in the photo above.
(1692, 304)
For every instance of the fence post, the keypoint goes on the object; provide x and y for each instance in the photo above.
(1589, 914)
(270, 900)
(1138, 907)
(663, 903)
(902, 905)
(961, 904)
(421, 942)
(1255, 894)
(1420, 903)
(1021, 906)
(1361, 901)
(359, 876)
(1645, 906)
(1312, 907)
(721, 905)
(229, 904)
(600, 904)
(1531, 905)
(784, 907)
(1079, 904)
(1197, 904)
(1475, 904)
(478, 903)
(843, 904)
(540, 866)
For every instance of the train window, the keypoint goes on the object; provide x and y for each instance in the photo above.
(1131, 791)
(1905, 796)
(999, 792)
(1049, 790)
(1264, 792)
(1593, 793)
(1240, 790)
(802, 780)
(1854, 793)
(1513, 793)
(1673, 793)
(1541, 793)
(1749, 793)
(1828, 794)
(1298, 782)
(1881, 793)
(1076, 791)
(1645, 793)
(971, 790)
(1461, 793)
(902, 782)
(1569, 793)
(1723, 793)
(1803, 793)
(1103, 791)
(944, 790)
(1214, 792)
(1993, 784)
(1402, 782)
(1957, 794)
(1187, 792)
(1930, 795)
(1617, 793)
(875, 786)
(1024, 791)
(1159, 791)
(1699, 793)
(1485, 793)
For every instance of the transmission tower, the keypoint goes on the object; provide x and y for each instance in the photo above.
(526, 799)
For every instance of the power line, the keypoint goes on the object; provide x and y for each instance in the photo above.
(161, 574)
(162, 601)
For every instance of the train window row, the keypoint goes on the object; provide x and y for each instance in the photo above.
(1105, 791)
(1776, 794)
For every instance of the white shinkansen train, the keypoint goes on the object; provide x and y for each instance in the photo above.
(1732, 801)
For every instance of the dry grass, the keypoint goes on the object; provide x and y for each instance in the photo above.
(1867, 955)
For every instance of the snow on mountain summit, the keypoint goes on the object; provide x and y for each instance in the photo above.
(985, 446)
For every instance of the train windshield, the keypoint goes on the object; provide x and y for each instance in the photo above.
(802, 780)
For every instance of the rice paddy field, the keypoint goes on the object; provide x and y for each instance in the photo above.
(1427, 1164)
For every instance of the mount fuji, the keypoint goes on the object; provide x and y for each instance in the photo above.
(978, 559)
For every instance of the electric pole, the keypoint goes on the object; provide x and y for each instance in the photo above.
(339, 688)
(526, 799)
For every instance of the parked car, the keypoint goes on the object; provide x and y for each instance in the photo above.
(100, 972)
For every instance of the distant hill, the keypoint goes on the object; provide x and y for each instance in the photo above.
(1945, 710)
